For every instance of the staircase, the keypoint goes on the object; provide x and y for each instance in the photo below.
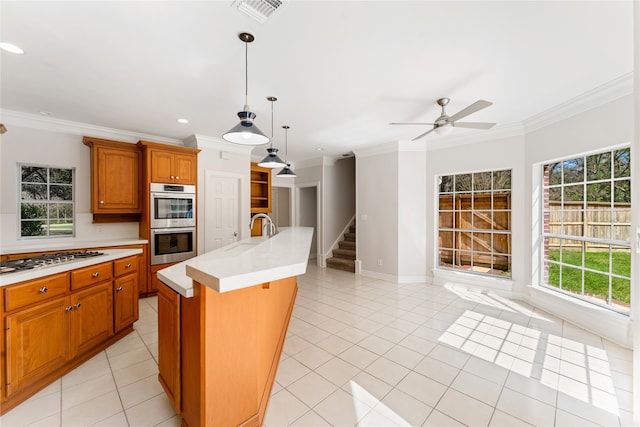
(345, 256)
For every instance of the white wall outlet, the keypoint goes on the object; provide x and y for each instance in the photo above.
(363, 217)
(379, 261)
(98, 229)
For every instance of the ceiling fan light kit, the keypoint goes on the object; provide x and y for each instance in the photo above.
(246, 132)
(272, 160)
(444, 124)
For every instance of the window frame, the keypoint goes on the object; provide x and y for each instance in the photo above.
(472, 214)
(48, 202)
(584, 239)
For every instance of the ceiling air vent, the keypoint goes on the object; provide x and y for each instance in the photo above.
(260, 10)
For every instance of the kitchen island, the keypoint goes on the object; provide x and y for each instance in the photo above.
(222, 321)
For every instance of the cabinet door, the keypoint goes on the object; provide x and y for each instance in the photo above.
(169, 343)
(116, 180)
(91, 317)
(185, 169)
(162, 167)
(125, 300)
(37, 343)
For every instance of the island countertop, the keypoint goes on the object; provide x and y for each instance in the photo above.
(247, 262)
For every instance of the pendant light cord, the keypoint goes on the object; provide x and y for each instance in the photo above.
(246, 72)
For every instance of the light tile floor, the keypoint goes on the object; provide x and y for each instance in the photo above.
(366, 352)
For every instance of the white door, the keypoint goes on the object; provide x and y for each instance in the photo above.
(221, 211)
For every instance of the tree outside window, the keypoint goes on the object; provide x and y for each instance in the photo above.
(46, 201)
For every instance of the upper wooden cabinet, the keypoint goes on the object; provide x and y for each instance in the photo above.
(171, 165)
(115, 177)
(260, 189)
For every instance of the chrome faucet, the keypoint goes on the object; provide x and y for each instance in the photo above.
(272, 230)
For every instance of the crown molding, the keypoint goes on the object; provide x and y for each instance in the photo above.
(32, 121)
(600, 95)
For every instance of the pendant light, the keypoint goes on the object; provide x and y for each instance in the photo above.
(246, 132)
(286, 172)
(272, 160)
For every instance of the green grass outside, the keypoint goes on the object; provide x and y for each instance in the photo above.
(595, 284)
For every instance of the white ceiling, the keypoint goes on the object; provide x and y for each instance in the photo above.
(341, 70)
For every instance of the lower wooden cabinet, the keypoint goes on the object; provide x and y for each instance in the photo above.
(169, 344)
(91, 317)
(125, 292)
(54, 323)
(37, 343)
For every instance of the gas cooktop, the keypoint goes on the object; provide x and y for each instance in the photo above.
(44, 260)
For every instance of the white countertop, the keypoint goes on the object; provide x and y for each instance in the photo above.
(245, 263)
(64, 244)
(35, 273)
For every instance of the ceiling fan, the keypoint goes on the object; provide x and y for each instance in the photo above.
(444, 124)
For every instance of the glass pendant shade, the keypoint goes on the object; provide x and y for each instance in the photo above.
(286, 172)
(246, 132)
(272, 160)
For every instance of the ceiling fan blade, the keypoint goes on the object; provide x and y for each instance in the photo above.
(421, 124)
(474, 125)
(426, 133)
(476, 106)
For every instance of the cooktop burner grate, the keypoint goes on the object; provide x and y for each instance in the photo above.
(44, 260)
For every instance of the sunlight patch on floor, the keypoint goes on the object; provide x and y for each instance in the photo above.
(570, 367)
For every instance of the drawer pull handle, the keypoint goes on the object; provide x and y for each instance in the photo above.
(78, 305)
(96, 274)
(119, 288)
(68, 309)
(128, 265)
(43, 289)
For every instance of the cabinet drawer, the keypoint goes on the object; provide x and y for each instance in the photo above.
(125, 265)
(35, 291)
(87, 276)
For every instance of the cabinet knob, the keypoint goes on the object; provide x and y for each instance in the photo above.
(102, 202)
(128, 265)
(172, 177)
(68, 309)
(43, 289)
(177, 177)
(119, 288)
(78, 305)
(96, 274)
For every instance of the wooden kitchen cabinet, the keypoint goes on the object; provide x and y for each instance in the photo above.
(170, 164)
(125, 292)
(260, 189)
(37, 343)
(169, 344)
(91, 317)
(115, 179)
(54, 323)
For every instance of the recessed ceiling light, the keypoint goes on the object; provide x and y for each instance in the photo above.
(183, 121)
(319, 149)
(45, 113)
(12, 48)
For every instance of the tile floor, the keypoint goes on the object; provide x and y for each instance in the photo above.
(366, 352)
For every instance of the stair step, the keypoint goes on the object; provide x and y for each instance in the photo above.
(350, 237)
(344, 244)
(352, 229)
(342, 264)
(344, 253)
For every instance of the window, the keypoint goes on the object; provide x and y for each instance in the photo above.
(474, 231)
(46, 201)
(587, 227)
